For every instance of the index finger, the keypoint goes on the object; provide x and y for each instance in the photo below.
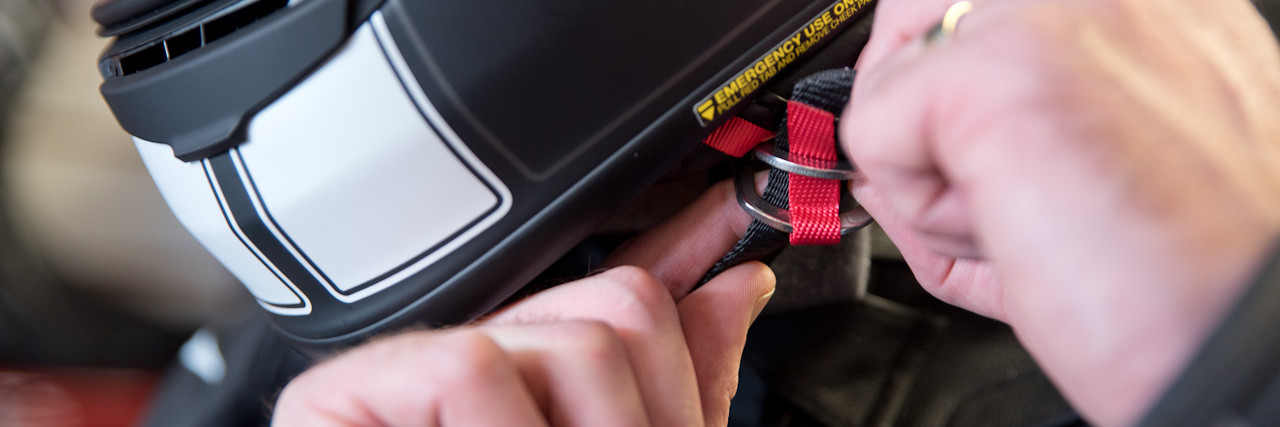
(680, 250)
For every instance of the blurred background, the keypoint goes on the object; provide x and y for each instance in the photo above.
(99, 284)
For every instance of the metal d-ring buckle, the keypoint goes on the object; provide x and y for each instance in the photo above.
(769, 153)
(749, 197)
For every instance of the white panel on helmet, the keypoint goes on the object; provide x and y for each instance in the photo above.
(189, 193)
(352, 178)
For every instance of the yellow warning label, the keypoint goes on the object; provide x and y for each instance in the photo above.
(747, 81)
(707, 110)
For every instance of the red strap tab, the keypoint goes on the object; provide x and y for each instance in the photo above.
(814, 202)
(737, 136)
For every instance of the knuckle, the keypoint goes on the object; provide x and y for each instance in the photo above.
(591, 340)
(637, 291)
(632, 298)
(463, 357)
(629, 273)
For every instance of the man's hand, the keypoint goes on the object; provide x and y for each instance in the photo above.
(1103, 175)
(631, 346)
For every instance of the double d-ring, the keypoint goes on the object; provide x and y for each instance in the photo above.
(762, 210)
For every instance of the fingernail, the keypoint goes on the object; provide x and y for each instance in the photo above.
(760, 303)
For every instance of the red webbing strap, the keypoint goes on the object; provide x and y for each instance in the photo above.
(815, 202)
(737, 136)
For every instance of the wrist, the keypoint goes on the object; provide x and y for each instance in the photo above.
(1114, 347)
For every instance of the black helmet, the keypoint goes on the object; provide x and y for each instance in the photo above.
(365, 164)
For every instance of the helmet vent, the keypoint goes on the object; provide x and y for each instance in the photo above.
(190, 39)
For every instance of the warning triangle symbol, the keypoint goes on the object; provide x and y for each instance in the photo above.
(707, 110)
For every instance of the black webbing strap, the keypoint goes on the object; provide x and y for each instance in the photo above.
(1235, 378)
(828, 90)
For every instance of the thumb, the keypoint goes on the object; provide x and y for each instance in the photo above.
(715, 319)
